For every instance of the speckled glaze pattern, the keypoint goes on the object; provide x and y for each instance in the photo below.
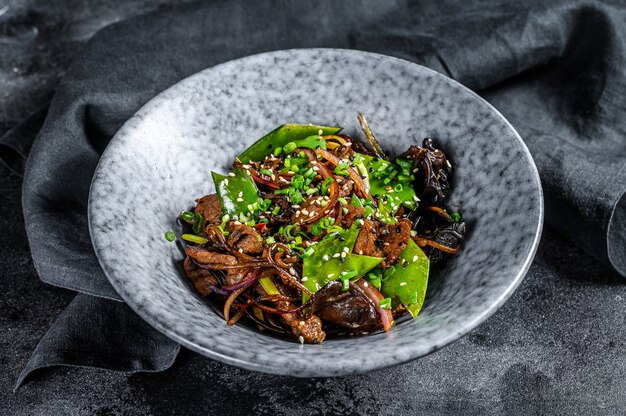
(161, 159)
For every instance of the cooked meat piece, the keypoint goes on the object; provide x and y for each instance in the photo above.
(205, 256)
(310, 329)
(345, 185)
(309, 208)
(353, 214)
(347, 309)
(199, 277)
(388, 241)
(210, 208)
(234, 276)
(244, 238)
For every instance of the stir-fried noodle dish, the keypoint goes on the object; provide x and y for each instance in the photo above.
(315, 233)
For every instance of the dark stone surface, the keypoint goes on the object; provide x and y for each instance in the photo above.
(556, 347)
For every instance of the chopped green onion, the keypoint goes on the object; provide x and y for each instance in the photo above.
(311, 191)
(341, 169)
(270, 240)
(375, 278)
(267, 172)
(325, 185)
(281, 191)
(307, 253)
(455, 216)
(398, 187)
(297, 181)
(278, 151)
(298, 240)
(343, 200)
(194, 238)
(290, 147)
(251, 223)
(276, 210)
(349, 275)
(170, 236)
(345, 284)
(265, 204)
(259, 238)
(310, 173)
(187, 216)
(295, 196)
(198, 224)
(385, 303)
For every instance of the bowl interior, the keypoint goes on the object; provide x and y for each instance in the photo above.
(161, 160)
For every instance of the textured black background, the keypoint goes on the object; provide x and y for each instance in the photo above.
(557, 347)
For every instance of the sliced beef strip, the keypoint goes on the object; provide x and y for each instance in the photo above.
(348, 218)
(388, 241)
(345, 185)
(309, 208)
(244, 238)
(310, 328)
(210, 207)
(209, 257)
(199, 277)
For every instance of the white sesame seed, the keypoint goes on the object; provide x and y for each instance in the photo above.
(361, 252)
(415, 198)
(304, 278)
(241, 250)
(336, 255)
(312, 214)
(449, 164)
(326, 258)
(386, 244)
(305, 212)
(346, 249)
(246, 166)
(320, 132)
(415, 258)
(240, 194)
(236, 223)
(331, 275)
(295, 206)
(239, 199)
(365, 284)
(301, 339)
(226, 181)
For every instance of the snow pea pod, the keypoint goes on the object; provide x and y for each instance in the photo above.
(327, 263)
(238, 194)
(408, 280)
(280, 137)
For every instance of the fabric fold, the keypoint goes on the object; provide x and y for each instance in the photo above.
(115, 338)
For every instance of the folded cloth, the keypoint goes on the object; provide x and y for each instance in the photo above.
(556, 70)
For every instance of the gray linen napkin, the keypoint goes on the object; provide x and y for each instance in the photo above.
(557, 71)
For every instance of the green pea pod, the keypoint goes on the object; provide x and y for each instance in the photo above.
(280, 137)
(408, 284)
(325, 265)
(238, 194)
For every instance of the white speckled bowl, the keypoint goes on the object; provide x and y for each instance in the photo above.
(160, 160)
